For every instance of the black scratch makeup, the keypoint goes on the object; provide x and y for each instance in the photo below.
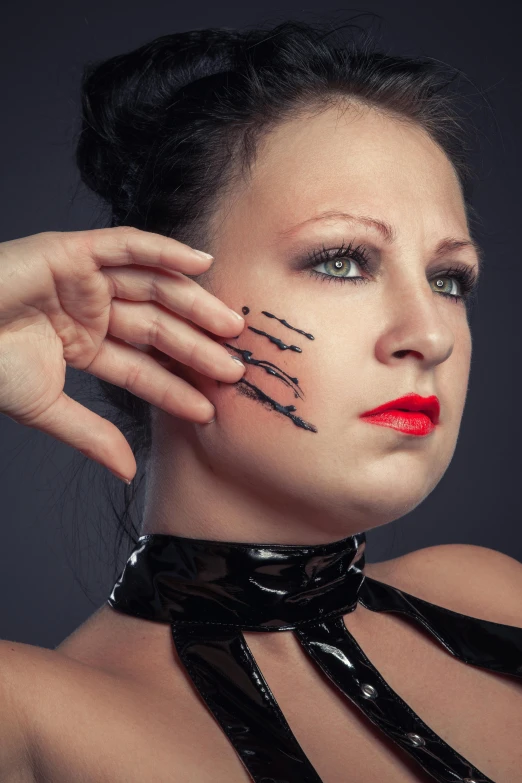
(285, 323)
(253, 392)
(267, 366)
(280, 344)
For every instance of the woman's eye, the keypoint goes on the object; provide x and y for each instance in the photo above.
(337, 267)
(446, 285)
(457, 282)
(340, 264)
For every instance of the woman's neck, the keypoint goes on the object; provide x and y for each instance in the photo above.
(187, 496)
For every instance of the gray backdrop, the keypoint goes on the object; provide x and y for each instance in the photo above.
(55, 560)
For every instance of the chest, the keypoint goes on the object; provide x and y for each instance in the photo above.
(99, 730)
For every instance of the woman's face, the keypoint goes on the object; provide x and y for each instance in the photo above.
(374, 340)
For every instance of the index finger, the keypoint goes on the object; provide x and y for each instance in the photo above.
(128, 245)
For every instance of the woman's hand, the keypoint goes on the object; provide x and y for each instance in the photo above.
(81, 299)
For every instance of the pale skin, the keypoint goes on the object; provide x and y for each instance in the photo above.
(253, 476)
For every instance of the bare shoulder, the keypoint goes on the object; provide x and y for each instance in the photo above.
(44, 698)
(20, 667)
(474, 580)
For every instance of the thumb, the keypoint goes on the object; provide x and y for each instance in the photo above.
(72, 423)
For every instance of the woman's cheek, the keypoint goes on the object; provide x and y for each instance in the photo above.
(279, 355)
(296, 375)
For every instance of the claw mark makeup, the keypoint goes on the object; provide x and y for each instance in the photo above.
(247, 357)
(285, 323)
(253, 392)
(280, 344)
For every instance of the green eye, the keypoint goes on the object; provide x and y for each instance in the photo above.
(447, 287)
(458, 282)
(338, 266)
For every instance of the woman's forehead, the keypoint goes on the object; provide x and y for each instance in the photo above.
(334, 162)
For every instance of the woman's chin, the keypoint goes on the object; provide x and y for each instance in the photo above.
(368, 504)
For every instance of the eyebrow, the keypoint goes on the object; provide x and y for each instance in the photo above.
(386, 230)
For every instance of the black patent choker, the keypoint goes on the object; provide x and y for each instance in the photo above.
(211, 591)
(250, 586)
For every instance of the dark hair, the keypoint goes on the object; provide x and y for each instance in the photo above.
(167, 127)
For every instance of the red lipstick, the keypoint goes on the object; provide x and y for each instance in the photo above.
(411, 414)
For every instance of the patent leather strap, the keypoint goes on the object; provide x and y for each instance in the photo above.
(228, 678)
(254, 587)
(211, 591)
(493, 646)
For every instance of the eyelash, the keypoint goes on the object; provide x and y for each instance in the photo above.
(464, 274)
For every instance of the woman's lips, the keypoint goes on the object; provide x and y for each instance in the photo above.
(411, 414)
(405, 421)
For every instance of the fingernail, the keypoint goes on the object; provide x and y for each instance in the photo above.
(236, 359)
(126, 480)
(213, 414)
(237, 315)
(201, 254)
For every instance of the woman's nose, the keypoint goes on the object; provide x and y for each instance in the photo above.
(417, 325)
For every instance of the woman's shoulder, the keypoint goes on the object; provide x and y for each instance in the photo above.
(61, 708)
(470, 579)
(47, 696)
(23, 669)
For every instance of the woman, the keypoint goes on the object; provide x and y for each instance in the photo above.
(295, 160)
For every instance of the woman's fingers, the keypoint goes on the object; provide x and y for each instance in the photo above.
(177, 293)
(150, 324)
(128, 245)
(125, 366)
(99, 439)
(78, 299)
